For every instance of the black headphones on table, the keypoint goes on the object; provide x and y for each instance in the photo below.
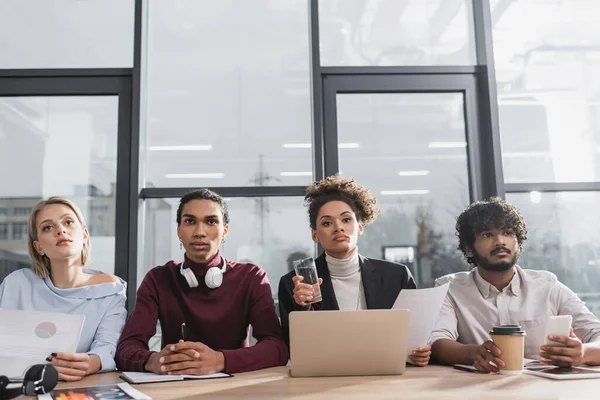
(39, 379)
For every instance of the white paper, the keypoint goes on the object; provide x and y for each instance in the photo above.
(28, 337)
(424, 306)
(147, 377)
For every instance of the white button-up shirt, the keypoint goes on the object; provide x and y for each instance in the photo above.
(473, 307)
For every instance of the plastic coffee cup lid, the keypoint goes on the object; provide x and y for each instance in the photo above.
(513, 330)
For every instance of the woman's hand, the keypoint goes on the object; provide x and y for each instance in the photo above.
(303, 292)
(420, 357)
(74, 366)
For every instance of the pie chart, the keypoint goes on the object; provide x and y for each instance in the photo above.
(45, 330)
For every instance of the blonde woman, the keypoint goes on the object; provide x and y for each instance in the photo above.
(59, 248)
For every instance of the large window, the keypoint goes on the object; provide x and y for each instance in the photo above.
(63, 146)
(547, 71)
(228, 106)
(248, 98)
(228, 94)
(3, 231)
(548, 76)
(415, 161)
(19, 231)
(564, 238)
(396, 32)
(66, 33)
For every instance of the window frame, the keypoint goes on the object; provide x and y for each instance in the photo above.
(128, 82)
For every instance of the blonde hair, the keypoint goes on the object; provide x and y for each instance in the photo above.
(41, 263)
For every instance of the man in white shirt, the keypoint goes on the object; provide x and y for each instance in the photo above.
(499, 292)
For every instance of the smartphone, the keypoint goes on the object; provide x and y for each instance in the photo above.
(559, 325)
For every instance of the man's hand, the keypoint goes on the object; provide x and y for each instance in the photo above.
(153, 364)
(303, 292)
(192, 358)
(568, 356)
(420, 357)
(74, 366)
(482, 355)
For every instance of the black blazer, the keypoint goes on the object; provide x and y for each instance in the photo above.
(382, 282)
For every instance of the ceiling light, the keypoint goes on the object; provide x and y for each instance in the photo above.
(525, 154)
(447, 145)
(297, 145)
(308, 145)
(348, 145)
(195, 147)
(413, 173)
(300, 173)
(403, 192)
(209, 175)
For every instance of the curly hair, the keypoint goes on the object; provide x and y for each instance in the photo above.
(338, 188)
(483, 215)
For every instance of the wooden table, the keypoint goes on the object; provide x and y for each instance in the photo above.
(432, 382)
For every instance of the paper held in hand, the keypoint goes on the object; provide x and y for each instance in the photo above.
(28, 337)
(424, 306)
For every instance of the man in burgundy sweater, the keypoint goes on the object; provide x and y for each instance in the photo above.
(204, 330)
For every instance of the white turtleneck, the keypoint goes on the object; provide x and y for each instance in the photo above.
(347, 283)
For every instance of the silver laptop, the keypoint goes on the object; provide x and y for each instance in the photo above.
(337, 343)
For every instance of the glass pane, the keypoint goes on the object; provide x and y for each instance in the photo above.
(548, 75)
(415, 162)
(264, 231)
(393, 32)
(57, 146)
(564, 238)
(66, 33)
(228, 94)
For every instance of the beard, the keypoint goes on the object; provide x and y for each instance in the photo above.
(498, 266)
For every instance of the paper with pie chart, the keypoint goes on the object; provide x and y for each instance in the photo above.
(28, 337)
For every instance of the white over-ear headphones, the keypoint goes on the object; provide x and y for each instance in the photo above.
(213, 277)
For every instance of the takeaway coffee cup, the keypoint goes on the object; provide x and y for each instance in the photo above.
(510, 339)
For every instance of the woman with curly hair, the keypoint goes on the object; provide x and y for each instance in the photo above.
(338, 210)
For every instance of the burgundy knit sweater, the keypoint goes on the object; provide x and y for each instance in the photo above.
(219, 318)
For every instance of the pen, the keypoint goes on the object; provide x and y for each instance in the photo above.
(183, 331)
(462, 368)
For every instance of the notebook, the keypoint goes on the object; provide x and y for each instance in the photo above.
(149, 377)
(120, 391)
